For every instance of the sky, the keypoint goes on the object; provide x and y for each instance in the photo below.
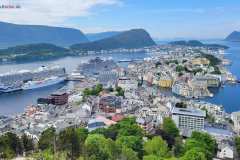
(163, 19)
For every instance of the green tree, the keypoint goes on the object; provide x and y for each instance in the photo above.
(28, 144)
(237, 143)
(207, 141)
(10, 146)
(71, 140)
(194, 154)
(47, 139)
(151, 157)
(128, 154)
(170, 127)
(132, 142)
(178, 148)
(97, 147)
(156, 146)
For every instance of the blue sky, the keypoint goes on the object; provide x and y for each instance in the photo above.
(163, 19)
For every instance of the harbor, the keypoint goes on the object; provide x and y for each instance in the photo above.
(26, 98)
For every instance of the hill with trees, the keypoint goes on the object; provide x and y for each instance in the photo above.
(234, 36)
(16, 34)
(33, 52)
(196, 43)
(135, 38)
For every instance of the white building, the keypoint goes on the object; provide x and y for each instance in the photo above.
(226, 153)
(235, 116)
(188, 120)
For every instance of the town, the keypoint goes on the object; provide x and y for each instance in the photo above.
(105, 93)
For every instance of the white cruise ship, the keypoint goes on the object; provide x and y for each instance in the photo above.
(42, 83)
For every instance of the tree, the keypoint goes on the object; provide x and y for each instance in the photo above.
(132, 142)
(194, 154)
(97, 147)
(237, 143)
(181, 105)
(207, 141)
(156, 146)
(128, 154)
(10, 146)
(28, 144)
(47, 139)
(178, 148)
(151, 157)
(71, 140)
(165, 136)
(170, 127)
(128, 127)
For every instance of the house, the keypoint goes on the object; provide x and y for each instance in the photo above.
(109, 103)
(226, 153)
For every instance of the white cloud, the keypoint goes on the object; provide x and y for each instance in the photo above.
(49, 12)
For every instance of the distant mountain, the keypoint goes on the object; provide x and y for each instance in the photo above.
(135, 38)
(196, 43)
(33, 52)
(234, 37)
(102, 35)
(14, 34)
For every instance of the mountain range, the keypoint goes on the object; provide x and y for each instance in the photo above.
(16, 34)
(234, 37)
(101, 35)
(134, 38)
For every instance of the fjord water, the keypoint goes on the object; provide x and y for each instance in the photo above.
(12, 103)
(229, 95)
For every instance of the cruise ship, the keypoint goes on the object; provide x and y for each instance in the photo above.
(14, 81)
(42, 83)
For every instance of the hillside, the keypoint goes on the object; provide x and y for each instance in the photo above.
(135, 38)
(102, 35)
(33, 52)
(14, 34)
(234, 37)
(196, 43)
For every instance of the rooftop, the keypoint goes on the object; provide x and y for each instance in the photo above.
(189, 111)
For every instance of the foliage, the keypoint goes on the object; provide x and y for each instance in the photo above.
(120, 91)
(213, 60)
(132, 142)
(156, 146)
(128, 154)
(97, 147)
(170, 127)
(28, 143)
(94, 91)
(178, 148)
(47, 138)
(194, 154)
(181, 105)
(71, 140)
(203, 142)
(237, 143)
(151, 157)
(180, 68)
(10, 146)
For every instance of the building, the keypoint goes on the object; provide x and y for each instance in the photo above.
(109, 104)
(146, 123)
(235, 116)
(59, 98)
(165, 82)
(226, 152)
(188, 120)
(200, 61)
(127, 83)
